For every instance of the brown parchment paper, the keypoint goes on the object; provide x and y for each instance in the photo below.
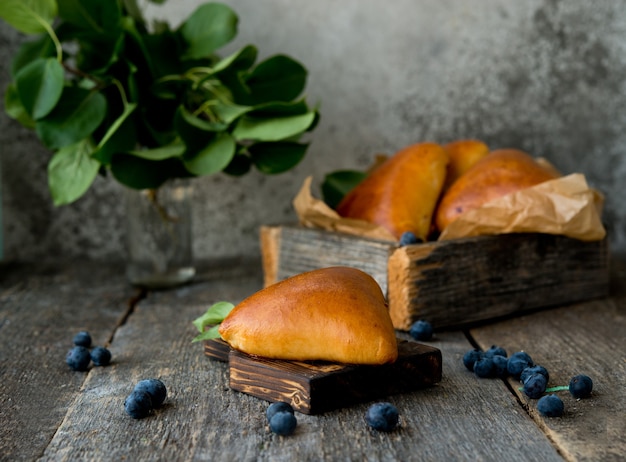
(565, 206)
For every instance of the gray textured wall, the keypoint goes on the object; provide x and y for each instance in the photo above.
(546, 76)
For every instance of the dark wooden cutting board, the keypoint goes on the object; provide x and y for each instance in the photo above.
(317, 387)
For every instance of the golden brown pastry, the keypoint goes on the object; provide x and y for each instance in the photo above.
(463, 155)
(335, 314)
(401, 194)
(501, 172)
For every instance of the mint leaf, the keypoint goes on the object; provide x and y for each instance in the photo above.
(29, 16)
(214, 315)
(209, 334)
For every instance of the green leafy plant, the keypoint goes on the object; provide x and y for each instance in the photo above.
(109, 95)
(212, 318)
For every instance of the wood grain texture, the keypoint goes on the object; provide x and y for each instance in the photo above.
(297, 249)
(586, 338)
(317, 387)
(41, 309)
(460, 282)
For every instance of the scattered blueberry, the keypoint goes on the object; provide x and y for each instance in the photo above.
(483, 368)
(138, 404)
(277, 407)
(550, 406)
(155, 388)
(518, 362)
(421, 330)
(527, 372)
(78, 358)
(283, 423)
(408, 238)
(535, 386)
(383, 417)
(471, 357)
(500, 366)
(82, 339)
(495, 350)
(580, 386)
(100, 356)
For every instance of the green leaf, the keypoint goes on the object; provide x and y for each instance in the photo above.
(279, 109)
(128, 110)
(278, 78)
(228, 113)
(214, 315)
(240, 60)
(210, 26)
(239, 165)
(195, 132)
(42, 47)
(175, 149)
(214, 157)
(28, 16)
(39, 86)
(272, 158)
(138, 173)
(77, 116)
(71, 171)
(339, 183)
(124, 139)
(98, 16)
(275, 129)
(208, 334)
(14, 108)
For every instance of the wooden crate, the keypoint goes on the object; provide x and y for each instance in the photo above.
(451, 283)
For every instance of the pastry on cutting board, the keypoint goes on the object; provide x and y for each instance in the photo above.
(336, 314)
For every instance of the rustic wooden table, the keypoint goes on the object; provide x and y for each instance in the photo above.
(48, 412)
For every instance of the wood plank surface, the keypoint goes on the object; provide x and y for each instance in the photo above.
(41, 309)
(587, 338)
(203, 419)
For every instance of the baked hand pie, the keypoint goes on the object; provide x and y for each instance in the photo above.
(336, 314)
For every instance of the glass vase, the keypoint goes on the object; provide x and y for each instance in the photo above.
(159, 239)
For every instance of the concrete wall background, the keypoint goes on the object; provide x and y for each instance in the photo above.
(546, 76)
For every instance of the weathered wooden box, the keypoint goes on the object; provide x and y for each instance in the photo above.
(450, 283)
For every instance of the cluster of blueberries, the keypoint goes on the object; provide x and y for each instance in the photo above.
(79, 356)
(494, 363)
(147, 395)
(281, 418)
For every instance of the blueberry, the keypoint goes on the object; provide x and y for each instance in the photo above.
(580, 386)
(535, 386)
(500, 366)
(82, 339)
(470, 357)
(283, 423)
(383, 417)
(277, 407)
(408, 238)
(100, 356)
(421, 330)
(138, 404)
(550, 406)
(155, 388)
(78, 358)
(495, 350)
(527, 372)
(483, 368)
(518, 362)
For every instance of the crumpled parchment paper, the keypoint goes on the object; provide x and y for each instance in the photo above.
(565, 206)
